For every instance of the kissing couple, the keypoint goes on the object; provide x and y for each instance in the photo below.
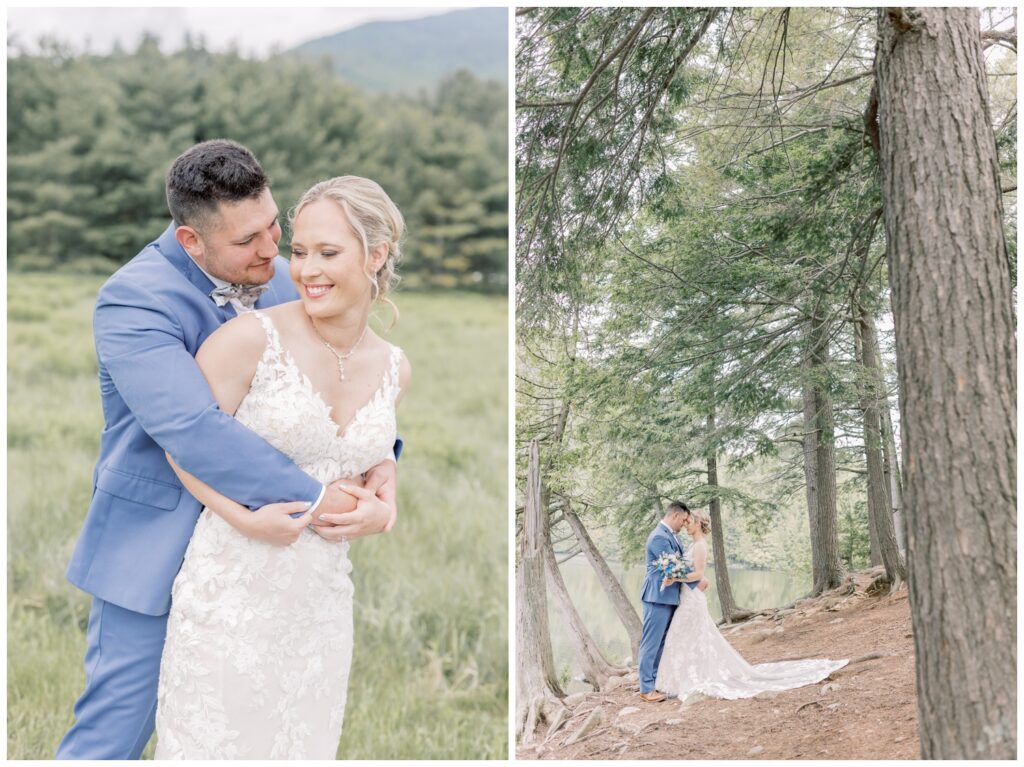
(249, 435)
(682, 652)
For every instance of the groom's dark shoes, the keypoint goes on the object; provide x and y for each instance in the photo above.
(652, 697)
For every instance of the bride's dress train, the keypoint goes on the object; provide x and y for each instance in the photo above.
(698, 659)
(259, 638)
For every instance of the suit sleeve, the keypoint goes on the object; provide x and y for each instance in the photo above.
(141, 343)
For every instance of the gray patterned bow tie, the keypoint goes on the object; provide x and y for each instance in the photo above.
(247, 295)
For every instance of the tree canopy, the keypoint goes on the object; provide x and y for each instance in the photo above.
(90, 138)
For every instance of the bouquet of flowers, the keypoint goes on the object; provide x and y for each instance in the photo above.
(673, 565)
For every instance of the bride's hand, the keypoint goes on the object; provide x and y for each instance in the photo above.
(273, 524)
(371, 516)
(666, 582)
(382, 480)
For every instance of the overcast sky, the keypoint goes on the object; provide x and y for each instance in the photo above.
(255, 30)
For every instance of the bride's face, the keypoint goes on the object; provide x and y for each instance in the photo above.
(328, 264)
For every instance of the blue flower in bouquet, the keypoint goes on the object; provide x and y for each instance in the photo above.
(674, 566)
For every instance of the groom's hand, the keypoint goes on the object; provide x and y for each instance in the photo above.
(371, 516)
(336, 500)
(382, 480)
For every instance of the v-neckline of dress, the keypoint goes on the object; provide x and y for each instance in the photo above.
(339, 432)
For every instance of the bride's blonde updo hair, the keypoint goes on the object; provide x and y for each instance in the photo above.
(374, 218)
(705, 520)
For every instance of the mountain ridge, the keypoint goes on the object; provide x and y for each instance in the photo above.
(417, 54)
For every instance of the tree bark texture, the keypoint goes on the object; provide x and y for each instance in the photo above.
(879, 509)
(826, 568)
(538, 693)
(725, 598)
(876, 553)
(894, 478)
(956, 356)
(612, 588)
(810, 443)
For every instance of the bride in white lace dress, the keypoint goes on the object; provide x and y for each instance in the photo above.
(259, 638)
(698, 659)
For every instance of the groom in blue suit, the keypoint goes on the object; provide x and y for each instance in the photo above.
(218, 257)
(659, 605)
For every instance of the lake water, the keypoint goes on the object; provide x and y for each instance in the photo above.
(753, 589)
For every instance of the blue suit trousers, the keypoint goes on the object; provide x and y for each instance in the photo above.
(115, 715)
(657, 618)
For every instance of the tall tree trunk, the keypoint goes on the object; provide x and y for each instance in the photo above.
(879, 510)
(874, 552)
(956, 356)
(873, 510)
(810, 445)
(612, 588)
(730, 611)
(827, 567)
(894, 477)
(595, 667)
(538, 693)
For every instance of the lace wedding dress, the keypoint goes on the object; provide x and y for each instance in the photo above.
(698, 659)
(259, 637)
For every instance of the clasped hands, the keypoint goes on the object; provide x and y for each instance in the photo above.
(702, 584)
(351, 508)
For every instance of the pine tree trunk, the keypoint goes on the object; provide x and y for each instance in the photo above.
(810, 444)
(956, 355)
(880, 516)
(595, 667)
(827, 567)
(538, 693)
(872, 508)
(612, 588)
(730, 611)
(894, 478)
(875, 553)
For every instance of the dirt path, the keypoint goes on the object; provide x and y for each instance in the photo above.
(871, 713)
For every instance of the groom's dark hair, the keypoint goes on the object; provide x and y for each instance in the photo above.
(208, 173)
(678, 506)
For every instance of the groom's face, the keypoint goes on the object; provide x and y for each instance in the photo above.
(238, 243)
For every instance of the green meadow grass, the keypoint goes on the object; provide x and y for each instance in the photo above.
(430, 668)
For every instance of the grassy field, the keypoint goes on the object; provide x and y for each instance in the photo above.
(430, 672)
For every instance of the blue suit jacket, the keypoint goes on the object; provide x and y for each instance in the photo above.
(151, 317)
(659, 542)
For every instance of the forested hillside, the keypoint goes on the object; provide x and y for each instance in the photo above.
(90, 139)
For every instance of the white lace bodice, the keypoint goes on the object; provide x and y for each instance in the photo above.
(259, 639)
(283, 407)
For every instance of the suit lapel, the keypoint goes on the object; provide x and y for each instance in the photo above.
(668, 534)
(675, 541)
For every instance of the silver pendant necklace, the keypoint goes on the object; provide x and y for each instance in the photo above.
(338, 355)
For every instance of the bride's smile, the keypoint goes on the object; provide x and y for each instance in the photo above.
(333, 270)
(314, 292)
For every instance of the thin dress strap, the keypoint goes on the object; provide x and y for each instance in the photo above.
(393, 371)
(274, 348)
